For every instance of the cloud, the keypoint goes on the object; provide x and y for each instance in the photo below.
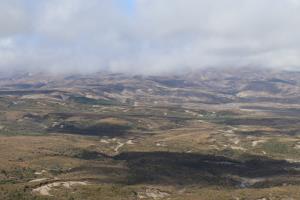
(13, 18)
(153, 37)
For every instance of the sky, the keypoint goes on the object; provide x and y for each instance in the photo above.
(148, 36)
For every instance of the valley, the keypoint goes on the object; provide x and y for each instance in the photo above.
(213, 134)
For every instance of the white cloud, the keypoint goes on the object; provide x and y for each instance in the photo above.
(160, 36)
(13, 18)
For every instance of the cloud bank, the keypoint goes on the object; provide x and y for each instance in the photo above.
(152, 36)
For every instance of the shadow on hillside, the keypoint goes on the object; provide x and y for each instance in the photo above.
(270, 122)
(108, 130)
(189, 169)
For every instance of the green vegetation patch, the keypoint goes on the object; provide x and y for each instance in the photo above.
(100, 127)
(276, 147)
(89, 101)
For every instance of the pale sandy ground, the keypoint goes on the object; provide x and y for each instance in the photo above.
(153, 193)
(45, 189)
(38, 180)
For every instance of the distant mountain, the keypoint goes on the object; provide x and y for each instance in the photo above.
(209, 86)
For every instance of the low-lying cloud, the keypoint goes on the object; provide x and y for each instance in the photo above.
(155, 36)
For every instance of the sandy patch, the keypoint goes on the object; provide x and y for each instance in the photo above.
(38, 180)
(247, 182)
(158, 144)
(153, 193)
(45, 189)
(130, 142)
(104, 141)
(238, 148)
(236, 141)
(40, 173)
(118, 147)
(256, 142)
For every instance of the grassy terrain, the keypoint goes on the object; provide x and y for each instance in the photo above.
(136, 144)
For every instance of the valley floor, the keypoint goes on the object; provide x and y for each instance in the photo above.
(77, 139)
